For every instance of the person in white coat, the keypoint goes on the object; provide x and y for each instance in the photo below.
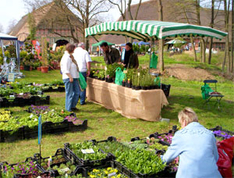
(84, 62)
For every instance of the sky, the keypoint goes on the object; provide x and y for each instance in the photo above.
(11, 10)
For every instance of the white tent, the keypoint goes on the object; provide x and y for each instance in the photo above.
(15, 40)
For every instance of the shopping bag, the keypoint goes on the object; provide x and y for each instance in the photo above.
(82, 82)
(119, 76)
(205, 91)
(225, 149)
(154, 61)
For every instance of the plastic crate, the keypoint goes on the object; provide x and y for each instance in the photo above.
(130, 174)
(20, 175)
(81, 162)
(7, 136)
(63, 160)
(166, 89)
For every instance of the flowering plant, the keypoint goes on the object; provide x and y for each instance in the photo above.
(106, 173)
(19, 168)
(220, 133)
(73, 119)
(38, 109)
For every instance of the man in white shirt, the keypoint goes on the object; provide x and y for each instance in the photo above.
(84, 62)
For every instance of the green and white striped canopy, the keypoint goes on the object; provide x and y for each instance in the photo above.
(146, 30)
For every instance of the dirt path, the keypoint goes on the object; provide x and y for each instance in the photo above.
(183, 72)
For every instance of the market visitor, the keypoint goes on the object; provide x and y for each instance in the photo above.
(111, 55)
(196, 147)
(130, 58)
(70, 75)
(84, 63)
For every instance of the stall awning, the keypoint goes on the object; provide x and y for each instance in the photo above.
(7, 37)
(145, 30)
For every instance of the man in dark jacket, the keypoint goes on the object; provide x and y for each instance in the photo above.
(111, 55)
(130, 58)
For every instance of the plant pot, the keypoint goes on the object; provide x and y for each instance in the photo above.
(123, 83)
(44, 69)
(137, 87)
(26, 68)
(31, 68)
(133, 87)
(39, 68)
(109, 80)
(21, 67)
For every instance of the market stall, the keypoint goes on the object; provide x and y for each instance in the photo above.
(127, 101)
(144, 104)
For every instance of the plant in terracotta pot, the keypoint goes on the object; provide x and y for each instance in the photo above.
(44, 56)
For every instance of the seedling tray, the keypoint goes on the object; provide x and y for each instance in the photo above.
(81, 162)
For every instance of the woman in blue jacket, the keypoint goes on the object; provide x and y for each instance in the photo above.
(196, 148)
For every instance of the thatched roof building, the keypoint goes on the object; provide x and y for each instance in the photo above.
(51, 22)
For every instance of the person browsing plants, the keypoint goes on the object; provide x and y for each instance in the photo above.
(130, 58)
(196, 147)
(84, 63)
(70, 75)
(111, 55)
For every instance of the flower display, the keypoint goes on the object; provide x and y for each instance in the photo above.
(220, 133)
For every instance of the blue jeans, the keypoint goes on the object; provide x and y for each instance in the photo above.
(82, 94)
(72, 96)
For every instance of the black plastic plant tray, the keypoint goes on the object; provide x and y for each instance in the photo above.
(20, 175)
(42, 175)
(81, 162)
(7, 136)
(109, 139)
(85, 170)
(131, 174)
(25, 132)
(53, 173)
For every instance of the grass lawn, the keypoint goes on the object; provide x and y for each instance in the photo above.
(103, 122)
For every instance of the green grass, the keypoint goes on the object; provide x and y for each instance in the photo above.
(103, 122)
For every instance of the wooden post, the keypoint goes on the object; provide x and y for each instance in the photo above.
(160, 55)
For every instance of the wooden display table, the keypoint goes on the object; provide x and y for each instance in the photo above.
(143, 104)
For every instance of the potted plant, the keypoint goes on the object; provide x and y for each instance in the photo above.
(44, 57)
(27, 61)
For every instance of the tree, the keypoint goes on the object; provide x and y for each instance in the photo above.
(121, 5)
(160, 10)
(232, 37)
(1, 28)
(212, 26)
(226, 60)
(32, 26)
(130, 12)
(87, 11)
(11, 25)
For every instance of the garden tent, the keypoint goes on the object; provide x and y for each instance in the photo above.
(16, 42)
(143, 43)
(100, 42)
(152, 30)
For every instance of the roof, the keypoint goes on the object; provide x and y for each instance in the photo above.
(46, 17)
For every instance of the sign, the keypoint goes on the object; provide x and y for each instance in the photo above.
(11, 77)
(87, 151)
(39, 130)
